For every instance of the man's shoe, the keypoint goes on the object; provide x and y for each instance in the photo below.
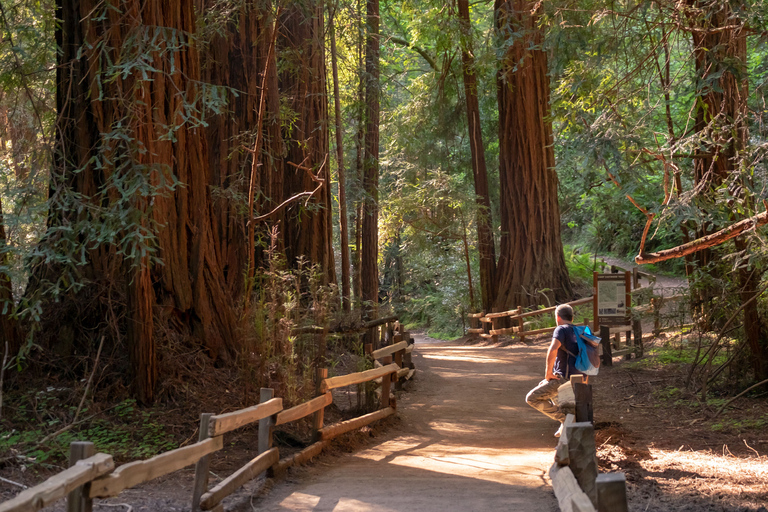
(560, 430)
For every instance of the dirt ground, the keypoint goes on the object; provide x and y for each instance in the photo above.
(465, 440)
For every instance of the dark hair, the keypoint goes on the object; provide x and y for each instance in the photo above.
(564, 311)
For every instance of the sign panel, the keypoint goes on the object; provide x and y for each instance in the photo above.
(611, 295)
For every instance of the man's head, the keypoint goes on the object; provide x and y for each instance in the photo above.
(564, 312)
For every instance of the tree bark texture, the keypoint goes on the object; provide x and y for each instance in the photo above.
(485, 242)
(369, 274)
(343, 218)
(307, 231)
(131, 127)
(531, 260)
(238, 58)
(720, 53)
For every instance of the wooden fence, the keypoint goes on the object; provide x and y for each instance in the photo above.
(93, 475)
(574, 475)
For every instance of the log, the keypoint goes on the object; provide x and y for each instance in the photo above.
(237, 479)
(336, 430)
(475, 331)
(303, 456)
(476, 315)
(567, 490)
(403, 373)
(60, 485)
(612, 492)
(388, 351)
(233, 420)
(379, 321)
(505, 330)
(357, 378)
(543, 330)
(623, 352)
(134, 473)
(583, 461)
(305, 409)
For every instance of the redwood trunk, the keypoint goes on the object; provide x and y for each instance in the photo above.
(531, 261)
(370, 236)
(307, 232)
(343, 219)
(485, 242)
(155, 143)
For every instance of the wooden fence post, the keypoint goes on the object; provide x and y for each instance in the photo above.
(78, 500)
(201, 467)
(611, 492)
(582, 458)
(637, 325)
(319, 418)
(265, 424)
(520, 322)
(582, 394)
(399, 361)
(656, 306)
(385, 383)
(605, 335)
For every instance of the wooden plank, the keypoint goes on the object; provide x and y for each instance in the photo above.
(134, 473)
(332, 431)
(476, 315)
(620, 328)
(60, 485)
(303, 456)
(623, 352)
(486, 320)
(410, 374)
(357, 378)
(513, 313)
(233, 420)
(388, 351)
(505, 330)
(379, 321)
(475, 331)
(410, 347)
(403, 372)
(305, 409)
(237, 479)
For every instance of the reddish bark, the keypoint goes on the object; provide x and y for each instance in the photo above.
(531, 261)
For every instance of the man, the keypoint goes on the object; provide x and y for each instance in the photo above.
(561, 361)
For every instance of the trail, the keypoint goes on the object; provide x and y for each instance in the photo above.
(466, 441)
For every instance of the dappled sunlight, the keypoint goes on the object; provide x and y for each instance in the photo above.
(300, 501)
(466, 358)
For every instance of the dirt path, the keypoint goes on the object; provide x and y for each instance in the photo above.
(466, 441)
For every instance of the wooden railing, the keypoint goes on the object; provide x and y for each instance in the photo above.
(574, 474)
(95, 476)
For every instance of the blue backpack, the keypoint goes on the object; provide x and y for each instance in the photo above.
(588, 358)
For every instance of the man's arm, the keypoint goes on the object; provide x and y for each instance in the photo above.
(551, 356)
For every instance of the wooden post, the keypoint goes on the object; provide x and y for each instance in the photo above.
(495, 325)
(628, 303)
(385, 383)
(201, 467)
(595, 317)
(319, 418)
(520, 322)
(605, 341)
(581, 457)
(265, 424)
(582, 393)
(399, 361)
(78, 500)
(637, 325)
(611, 492)
(656, 304)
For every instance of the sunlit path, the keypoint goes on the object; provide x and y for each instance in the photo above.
(467, 441)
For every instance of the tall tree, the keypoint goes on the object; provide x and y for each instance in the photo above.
(485, 243)
(531, 261)
(130, 181)
(370, 233)
(308, 217)
(245, 139)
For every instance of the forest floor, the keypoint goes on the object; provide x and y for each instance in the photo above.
(464, 439)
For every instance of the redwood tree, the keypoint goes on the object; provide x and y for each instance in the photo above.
(308, 226)
(531, 261)
(485, 243)
(129, 198)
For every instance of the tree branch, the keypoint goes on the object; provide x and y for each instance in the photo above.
(420, 51)
(704, 242)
